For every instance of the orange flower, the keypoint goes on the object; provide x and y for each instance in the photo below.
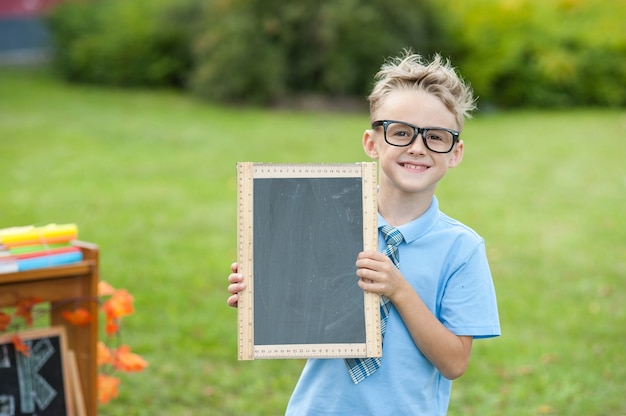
(79, 317)
(108, 388)
(104, 354)
(20, 346)
(119, 304)
(125, 360)
(5, 320)
(111, 327)
(105, 289)
(24, 309)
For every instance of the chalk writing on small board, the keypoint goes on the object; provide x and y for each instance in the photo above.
(36, 383)
(300, 229)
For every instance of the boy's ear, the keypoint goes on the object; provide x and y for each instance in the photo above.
(456, 155)
(369, 144)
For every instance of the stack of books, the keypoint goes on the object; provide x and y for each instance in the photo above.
(31, 247)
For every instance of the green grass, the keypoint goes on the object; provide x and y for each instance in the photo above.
(150, 177)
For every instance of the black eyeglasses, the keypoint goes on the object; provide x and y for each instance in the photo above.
(401, 134)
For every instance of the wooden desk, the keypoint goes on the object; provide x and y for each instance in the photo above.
(56, 285)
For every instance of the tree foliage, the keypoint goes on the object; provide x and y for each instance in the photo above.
(124, 43)
(267, 49)
(560, 53)
(514, 52)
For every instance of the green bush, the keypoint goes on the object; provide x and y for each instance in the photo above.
(118, 42)
(515, 53)
(266, 50)
(232, 61)
(543, 54)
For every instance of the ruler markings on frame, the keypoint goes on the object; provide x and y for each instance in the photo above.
(370, 242)
(269, 170)
(245, 306)
(309, 350)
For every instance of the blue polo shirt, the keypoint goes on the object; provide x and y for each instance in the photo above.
(446, 263)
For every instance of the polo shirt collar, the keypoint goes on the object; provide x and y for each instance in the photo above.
(418, 227)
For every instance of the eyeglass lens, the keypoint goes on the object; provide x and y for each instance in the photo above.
(437, 140)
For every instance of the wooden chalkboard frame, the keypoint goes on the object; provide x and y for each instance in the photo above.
(35, 337)
(248, 348)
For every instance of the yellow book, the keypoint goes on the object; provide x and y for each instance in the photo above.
(25, 235)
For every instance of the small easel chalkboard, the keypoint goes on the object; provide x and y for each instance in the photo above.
(37, 384)
(300, 229)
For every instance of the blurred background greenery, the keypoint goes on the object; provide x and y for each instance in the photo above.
(132, 133)
(517, 53)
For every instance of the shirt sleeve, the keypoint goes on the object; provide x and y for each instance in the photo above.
(468, 303)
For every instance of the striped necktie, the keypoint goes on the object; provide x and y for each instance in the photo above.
(360, 368)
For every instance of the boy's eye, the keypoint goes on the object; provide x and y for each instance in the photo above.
(401, 132)
(439, 136)
(434, 136)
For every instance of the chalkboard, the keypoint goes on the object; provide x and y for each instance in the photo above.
(300, 230)
(36, 384)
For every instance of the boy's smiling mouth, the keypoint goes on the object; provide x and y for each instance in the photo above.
(414, 167)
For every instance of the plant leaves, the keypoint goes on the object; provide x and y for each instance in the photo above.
(20, 346)
(24, 309)
(5, 321)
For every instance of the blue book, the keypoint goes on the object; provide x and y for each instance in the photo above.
(49, 261)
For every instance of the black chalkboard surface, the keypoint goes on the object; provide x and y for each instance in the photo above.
(301, 228)
(36, 384)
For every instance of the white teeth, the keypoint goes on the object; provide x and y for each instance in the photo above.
(406, 165)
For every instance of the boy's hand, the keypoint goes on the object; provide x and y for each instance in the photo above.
(236, 285)
(378, 274)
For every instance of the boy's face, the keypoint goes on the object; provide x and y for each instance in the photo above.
(414, 169)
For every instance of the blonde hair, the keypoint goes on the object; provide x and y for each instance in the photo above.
(438, 77)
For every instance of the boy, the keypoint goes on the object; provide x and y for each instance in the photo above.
(441, 296)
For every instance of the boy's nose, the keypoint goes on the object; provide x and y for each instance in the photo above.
(418, 146)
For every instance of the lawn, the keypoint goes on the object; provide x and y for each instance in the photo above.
(150, 177)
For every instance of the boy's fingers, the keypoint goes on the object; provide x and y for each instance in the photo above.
(235, 278)
(232, 301)
(235, 288)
